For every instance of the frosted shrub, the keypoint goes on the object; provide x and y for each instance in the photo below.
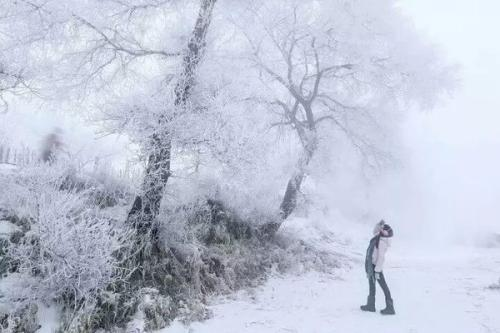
(221, 252)
(69, 249)
(65, 251)
(20, 190)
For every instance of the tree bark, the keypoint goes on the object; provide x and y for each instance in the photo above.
(146, 206)
(289, 202)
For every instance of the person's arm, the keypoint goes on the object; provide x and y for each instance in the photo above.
(382, 249)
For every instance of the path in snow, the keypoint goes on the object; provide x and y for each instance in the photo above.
(433, 292)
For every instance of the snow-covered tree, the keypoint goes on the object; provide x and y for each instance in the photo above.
(337, 66)
(146, 206)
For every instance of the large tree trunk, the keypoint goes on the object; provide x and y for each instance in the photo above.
(146, 206)
(289, 202)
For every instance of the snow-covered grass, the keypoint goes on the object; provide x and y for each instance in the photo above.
(7, 228)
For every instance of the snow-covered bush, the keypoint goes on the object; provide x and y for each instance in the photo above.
(65, 250)
(69, 249)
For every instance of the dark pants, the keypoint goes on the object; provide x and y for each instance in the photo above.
(383, 285)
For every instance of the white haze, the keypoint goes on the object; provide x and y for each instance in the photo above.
(450, 187)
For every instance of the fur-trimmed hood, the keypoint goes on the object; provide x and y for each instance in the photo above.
(383, 229)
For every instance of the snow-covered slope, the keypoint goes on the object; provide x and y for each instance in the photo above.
(434, 290)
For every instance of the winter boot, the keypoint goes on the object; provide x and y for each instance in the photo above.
(389, 308)
(370, 305)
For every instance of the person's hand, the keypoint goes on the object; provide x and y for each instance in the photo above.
(377, 276)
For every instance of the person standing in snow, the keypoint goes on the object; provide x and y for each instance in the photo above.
(374, 262)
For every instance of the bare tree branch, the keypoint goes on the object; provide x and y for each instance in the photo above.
(114, 44)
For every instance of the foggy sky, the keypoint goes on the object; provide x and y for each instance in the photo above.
(468, 35)
(456, 148)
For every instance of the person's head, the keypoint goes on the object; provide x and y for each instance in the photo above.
(383, 229)
(378, 227)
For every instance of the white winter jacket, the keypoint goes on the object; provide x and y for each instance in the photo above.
(378, 256)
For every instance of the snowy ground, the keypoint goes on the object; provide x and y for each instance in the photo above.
(434, 291)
